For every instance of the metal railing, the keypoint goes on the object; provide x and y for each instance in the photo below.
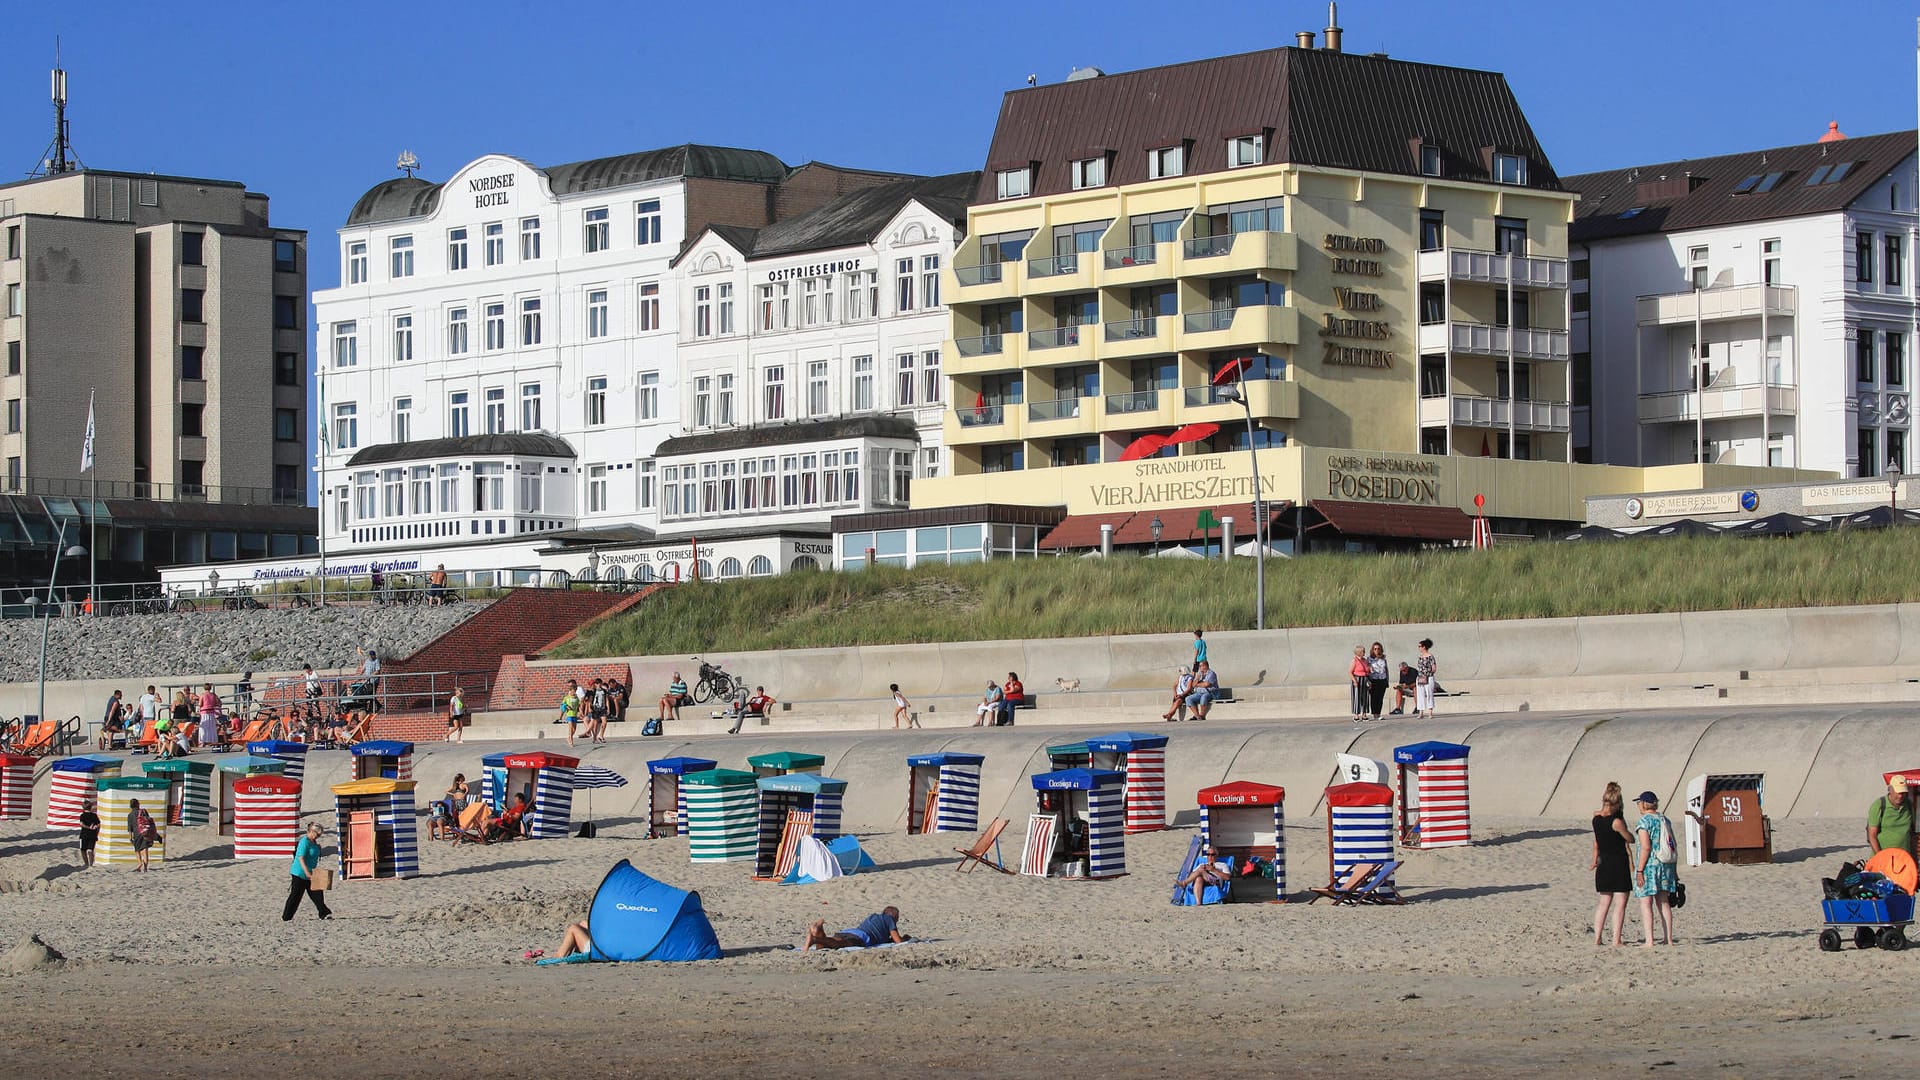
(1204, 321)
(983, 274)
(1053, 337)
(984, 345)
(982, 416)
(1208, 247)
(1056, 265)
(1120, 258)
(1066, 408)
(160, 598)
(72, 488)
(1145, 326)
(1138, 401)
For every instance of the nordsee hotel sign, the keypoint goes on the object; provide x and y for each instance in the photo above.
(491, 190)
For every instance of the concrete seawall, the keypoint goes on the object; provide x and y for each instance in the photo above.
(1819, 762)
(1613, 645)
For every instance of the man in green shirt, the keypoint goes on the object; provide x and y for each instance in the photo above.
(1890, 818)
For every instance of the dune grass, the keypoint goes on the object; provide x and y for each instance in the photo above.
(1074, 597)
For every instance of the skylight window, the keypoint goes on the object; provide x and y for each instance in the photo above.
(1769, 182)
(1829, 174)
(1633, 212)
(1746, 186)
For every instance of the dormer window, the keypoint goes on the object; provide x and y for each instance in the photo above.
(1090, 172)
(1509, 169)
(1015, 183)
(1243, 150)
(1429, 160)
(1166, 161)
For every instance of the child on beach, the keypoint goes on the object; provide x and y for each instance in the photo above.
(89, 832)
(902, 708)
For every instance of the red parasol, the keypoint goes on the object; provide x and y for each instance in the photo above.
(1144, 446)
(1232, 371)
(1193, 433)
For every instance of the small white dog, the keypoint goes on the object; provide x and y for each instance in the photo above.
(1067, 686)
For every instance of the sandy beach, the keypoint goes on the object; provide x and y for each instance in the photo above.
(1491, 966)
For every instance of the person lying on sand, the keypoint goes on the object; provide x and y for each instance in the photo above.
(574, 940)
(876, 929)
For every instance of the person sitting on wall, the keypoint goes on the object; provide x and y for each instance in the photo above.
(1182, 686)
(1012, 696)
(675, 697)
(987, 713)
(1404, 688)
(1205, 685)
(757, 706)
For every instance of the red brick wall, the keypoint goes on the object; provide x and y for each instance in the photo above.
(813, 185)
(727, 202)
(519, 686)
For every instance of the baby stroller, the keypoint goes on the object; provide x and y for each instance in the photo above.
(359, 696)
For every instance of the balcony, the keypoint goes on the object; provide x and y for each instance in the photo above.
(1493, 268)
(988, 423)
(1718, 305)
(1727, 401)
(1268, 399)
(1148, 336)
(1527, 343)
(985, 352)
(1058, 337)
(984, 345)
(1467, 410)
(1072, 272)
(1239, 253)
(1061, 417)
(1259, 324)
(982, 416)
(987, 281)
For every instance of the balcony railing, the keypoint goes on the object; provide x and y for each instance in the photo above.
(984, 345)
(1055, 338)
(1133, 329)
(1208, 247)
(122, 489)
(1719, 401)
(982, 416)
(1714, 305)
(1120, 258)
(1136, 402)
(1066, 408)
(1216, 319)
(1528, 343)
(1495, 268)
(1056, 265)
(1486, 412)
(983, 274)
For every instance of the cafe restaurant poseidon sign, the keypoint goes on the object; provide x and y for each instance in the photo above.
(1355, 255)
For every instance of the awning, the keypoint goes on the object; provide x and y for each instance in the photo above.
(1397, 520)
(1082, 531)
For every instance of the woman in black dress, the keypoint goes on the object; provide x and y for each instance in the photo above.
(1612, 873)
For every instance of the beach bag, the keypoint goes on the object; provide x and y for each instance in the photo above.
(1679, 899)
(652, 727)
(588, 830)
(1664, 850)
(319, 880)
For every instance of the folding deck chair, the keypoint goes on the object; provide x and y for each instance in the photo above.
(472, 826)
(1343, 891)
(1379, 889)
(1210, 894)
(799, 824)
(360, 727)
(977, 854)
(1038, 857)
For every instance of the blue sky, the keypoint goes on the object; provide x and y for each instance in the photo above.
(311, 103)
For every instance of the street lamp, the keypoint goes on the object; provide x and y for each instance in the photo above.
(1154, 527)
(1232, 392)
(46, 615)
(593, 564)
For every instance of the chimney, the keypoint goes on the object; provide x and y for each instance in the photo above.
(1304, 39)
(1333, 28)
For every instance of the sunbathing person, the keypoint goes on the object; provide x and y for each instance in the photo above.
(1212, 870)
(879, 928)
(574, 940)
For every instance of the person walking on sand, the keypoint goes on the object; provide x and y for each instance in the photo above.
(1654, 859)
(143, 831)
(880, 928)
(1890, 818)
(457, 716)
(1612, 878)
(306, 856)
(902, 708)
(1426, 675)
(89, 832)
(570, 710)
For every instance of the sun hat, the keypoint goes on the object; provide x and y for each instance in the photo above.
(1647, 797)
(1897, 782)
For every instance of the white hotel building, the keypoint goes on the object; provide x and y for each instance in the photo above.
(1750, 309)
(590, 365)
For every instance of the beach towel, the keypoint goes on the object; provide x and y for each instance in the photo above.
(576, 958)
(812, 863)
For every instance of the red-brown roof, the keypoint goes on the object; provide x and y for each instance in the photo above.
(1384, 519)
(1082, 531)
(1177, 526)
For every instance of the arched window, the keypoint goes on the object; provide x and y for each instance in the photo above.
(729, 569)
(804, 562)
(761, 566)
(615, 573)
(703, 570)
(559, 579)
(671, 573)
(643, 571)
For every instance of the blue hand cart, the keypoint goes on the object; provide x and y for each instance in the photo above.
(1891, 915)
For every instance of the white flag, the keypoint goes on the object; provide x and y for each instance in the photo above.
(86, 446)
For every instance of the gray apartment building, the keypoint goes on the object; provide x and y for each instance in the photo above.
(178, 306)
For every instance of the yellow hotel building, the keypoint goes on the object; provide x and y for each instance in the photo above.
(1383, 243)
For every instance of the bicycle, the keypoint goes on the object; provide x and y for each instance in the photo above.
(161, 605)
(714, 684)
(241, 599)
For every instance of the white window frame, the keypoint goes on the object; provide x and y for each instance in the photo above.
(702, 311)
(702, 401)
(494, 403)
(494, 240)
(400, 252)
(929, 282)
(456, 249)
(529, 239)
(597, 314)
(403, 338)
(649, 395)
(495, 316)
(650, 306)
(530, 407)
(596, 489)
(1167, 161)
(459, 414)
(403, 419)
(529, 321)
(860, 398)
(1014, 183)
(346, 341)
(346, 425)
(1089, 172)
(724, 302)
(903, 286)
(1510, 169)
(723, 415)
(1246, 150)
(932, 390)
(905, 380)
(598, 235)
(1429, 160)
(646, 222)
(773, 392)
(596, 401)
(819, 388)
(458, 339)
(357, 262)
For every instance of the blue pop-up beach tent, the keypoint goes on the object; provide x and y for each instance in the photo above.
(634, 917)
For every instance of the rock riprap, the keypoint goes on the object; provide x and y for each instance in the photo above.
(210, 642)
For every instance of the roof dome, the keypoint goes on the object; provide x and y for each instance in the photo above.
(1834, 134)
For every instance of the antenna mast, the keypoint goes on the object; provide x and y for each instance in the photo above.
(59, 157)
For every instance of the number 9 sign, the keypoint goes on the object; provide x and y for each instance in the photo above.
(1358, 769)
